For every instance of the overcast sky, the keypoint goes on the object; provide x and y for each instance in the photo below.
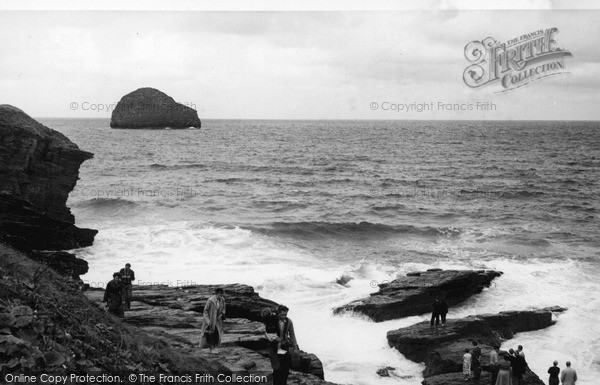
(287, 65)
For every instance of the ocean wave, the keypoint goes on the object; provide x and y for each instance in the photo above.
(521, 194)
(316, 230)
(106, 203)
(158, 166)
(278, 206)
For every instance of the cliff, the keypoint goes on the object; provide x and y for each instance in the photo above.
(38, 169)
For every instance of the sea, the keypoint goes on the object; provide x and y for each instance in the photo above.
(292, 206)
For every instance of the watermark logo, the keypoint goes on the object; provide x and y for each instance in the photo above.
(516, 62)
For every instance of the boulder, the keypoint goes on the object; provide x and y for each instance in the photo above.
(64, 263)
(414, 293)
(441, 349)
(151, 108)
(38, 169)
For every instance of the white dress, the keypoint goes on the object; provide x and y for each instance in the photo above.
(467, 364)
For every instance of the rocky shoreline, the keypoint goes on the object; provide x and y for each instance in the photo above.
(48, 323)
(441, 349)
(175, 313)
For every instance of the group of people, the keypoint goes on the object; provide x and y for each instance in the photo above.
(279, 330)
(567, 377)
(118, 292)
(506, 367)
(509, 367)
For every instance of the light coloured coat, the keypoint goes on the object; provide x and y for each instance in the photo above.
(213, 310)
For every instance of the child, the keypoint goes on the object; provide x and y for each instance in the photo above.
(467, 364)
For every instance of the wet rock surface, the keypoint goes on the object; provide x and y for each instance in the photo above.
(414, 293)
(441, 349)
(176, 315)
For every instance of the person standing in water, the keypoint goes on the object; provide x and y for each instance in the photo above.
(127, 277)
(212, 325)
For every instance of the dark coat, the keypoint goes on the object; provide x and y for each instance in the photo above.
(439, 307)
(128, 277)
(113, 296)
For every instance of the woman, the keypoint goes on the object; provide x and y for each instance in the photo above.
(554, 371)
(504, 375)
(212, 325)
(467, 364)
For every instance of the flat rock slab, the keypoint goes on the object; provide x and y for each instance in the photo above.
(529, 378)
(241, 300)
(414, 293)
(441, 349)
(175, 314)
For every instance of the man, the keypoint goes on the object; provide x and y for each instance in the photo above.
(494, 360)
(127, 277)
(568, 375)
(286, 347)
(271, 320)
(520, 351)
(476, 362)
(439, 309)
(113, 296)
(518, 365)
(212, 325)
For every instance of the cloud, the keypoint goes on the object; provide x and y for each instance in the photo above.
(282, 64)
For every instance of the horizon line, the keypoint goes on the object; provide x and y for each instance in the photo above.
(355, 120)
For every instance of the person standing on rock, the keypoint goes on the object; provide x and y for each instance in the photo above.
(212, 325)
(494, 361)
(518, 367)
(568, 375)
(520, 351)
(439, 309)
(271, 320)
(467, 364)
(127, 277)
(476, 362)
(504, 366)
(113, 296)
(554, 371)
(287, 345)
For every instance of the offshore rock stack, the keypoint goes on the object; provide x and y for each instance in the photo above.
(151, 108)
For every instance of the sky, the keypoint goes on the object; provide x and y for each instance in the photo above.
(290, 64)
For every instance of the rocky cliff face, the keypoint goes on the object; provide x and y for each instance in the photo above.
(38, 169)
(151, 108)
